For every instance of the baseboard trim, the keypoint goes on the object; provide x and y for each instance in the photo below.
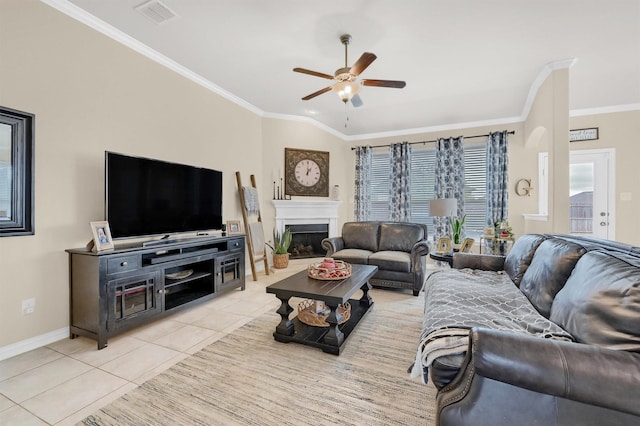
(33, 343)
(63, 333)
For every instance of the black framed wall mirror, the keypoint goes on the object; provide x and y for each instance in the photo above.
(16, 172)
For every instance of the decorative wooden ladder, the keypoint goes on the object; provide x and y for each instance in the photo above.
(255, 232)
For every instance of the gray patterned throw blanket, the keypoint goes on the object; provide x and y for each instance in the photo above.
(457, 300)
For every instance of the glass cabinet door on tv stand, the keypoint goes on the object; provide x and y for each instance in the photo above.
(229, 270)
(132, 297)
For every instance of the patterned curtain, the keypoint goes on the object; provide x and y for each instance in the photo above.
(362, 198)
(497, 178)
(449, 180)
(400, 179)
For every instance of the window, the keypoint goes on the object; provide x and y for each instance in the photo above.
(422, 183)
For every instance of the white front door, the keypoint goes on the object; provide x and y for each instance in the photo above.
(591, 197)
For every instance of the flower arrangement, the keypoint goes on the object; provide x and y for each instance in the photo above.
(503, 229)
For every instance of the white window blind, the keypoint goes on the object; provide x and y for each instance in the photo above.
(380, 168)
(475, 188)
(423, 163)
(422, 183)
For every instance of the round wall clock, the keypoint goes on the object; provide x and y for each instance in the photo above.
(306, 172)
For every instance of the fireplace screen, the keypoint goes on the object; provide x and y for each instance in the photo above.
(306, 240)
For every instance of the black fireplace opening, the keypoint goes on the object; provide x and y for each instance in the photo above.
(306, 240)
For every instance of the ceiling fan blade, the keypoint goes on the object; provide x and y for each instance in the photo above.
(314, 73)
(319, 92)
(362, 63)
(356, 100)
(384, 83)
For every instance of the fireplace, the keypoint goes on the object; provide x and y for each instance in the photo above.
(306, 240)
(310, 221)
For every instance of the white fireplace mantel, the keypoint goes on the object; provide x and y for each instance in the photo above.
(303, 212)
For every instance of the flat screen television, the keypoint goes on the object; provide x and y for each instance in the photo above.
(146, 197)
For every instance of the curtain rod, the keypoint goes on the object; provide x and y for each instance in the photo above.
(512, 132)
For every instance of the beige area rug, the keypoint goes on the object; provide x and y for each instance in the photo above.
(247, 378)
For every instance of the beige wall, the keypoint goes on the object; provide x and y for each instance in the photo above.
(546, 129)
(539, 133)
(91, 94)
(280, 134)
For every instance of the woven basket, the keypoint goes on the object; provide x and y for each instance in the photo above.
(307, 314)
(280, 261)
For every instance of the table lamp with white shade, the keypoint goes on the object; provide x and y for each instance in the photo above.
(443, 207)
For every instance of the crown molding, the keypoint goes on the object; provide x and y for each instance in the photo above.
(604, 110)
(433, 129)
(91, 21)
(308, 120)
(542, 76)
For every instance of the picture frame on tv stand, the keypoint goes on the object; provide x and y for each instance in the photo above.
(101, 237)
(234, 227)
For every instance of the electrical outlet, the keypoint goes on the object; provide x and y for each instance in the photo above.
(28, 306)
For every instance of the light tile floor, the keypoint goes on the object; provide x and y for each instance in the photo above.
(63, 382)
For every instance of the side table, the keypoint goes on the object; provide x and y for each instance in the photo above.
(442, 257)
(496, 245)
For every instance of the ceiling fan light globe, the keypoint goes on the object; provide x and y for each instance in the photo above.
(346, 90)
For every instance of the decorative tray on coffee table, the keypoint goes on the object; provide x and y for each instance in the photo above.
(329, 270)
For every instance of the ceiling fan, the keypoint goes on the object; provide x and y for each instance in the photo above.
(346, 85)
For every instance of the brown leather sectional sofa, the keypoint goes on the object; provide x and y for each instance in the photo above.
(586, 372)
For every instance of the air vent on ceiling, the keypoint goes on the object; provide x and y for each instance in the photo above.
(157, 11)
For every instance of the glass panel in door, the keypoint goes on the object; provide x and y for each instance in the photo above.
(590, 194)
(581, 199)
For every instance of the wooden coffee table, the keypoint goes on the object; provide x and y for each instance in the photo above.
(332, 293)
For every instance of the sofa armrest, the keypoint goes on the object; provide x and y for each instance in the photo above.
(419, 249)
(485, 262)
(584, 373)
(332, 245)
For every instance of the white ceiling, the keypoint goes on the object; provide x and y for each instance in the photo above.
(466, 62)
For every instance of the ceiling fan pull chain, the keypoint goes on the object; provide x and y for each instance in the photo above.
(346, 115)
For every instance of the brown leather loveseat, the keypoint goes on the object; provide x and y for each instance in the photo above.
(398, 249)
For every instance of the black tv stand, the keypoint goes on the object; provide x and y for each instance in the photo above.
(116, 290)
